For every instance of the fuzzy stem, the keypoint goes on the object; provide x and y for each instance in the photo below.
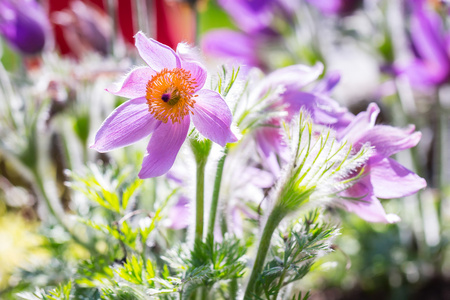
(199, 206)
(273, 220)
(216, 192)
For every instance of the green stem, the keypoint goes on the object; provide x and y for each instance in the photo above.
(199, 206)
(274, 219)
(216, 192)
(439, 157)
(233, 288)
(280, 284)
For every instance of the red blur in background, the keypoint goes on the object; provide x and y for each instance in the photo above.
(124, 16)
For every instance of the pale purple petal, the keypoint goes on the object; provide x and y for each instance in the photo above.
(126, 125)
(135, 83)
(212, 117)
(427, 33)
(250, 16)
(186, 52)
(179, 214)
(360, 124)
(424, 73)
(328, 83)
(366, 205)
(293, 77)
(323, 109)
(270, 162)
(371, 210)
(258, 177)
(158, 56)
(270, 139)
(198, 73)
(242, 47)
(389, 140)
(163, 148)
(392, 180)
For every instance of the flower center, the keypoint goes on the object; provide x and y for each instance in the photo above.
(169, 95)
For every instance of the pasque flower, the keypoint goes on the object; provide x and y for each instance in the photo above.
(24, 25)
(431, 64)
(165, 96)
(255, 20)
(383, 177)
(323, 110)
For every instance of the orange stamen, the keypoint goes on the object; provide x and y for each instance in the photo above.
(169, 95)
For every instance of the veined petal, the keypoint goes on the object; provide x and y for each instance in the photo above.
(389, 140)
(135, 83)
(212, 117)
(163, 148)
(198, 73)
(391, 180)
(367, 206)
(158, 56)
(126, 125)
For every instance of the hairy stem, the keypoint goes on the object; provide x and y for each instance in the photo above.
(216, 192)
(274, 219)
(199, 203)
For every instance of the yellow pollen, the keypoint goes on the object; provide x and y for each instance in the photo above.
(169, 95)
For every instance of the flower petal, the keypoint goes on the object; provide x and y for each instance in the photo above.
(241, 48)
(158, 56)
(429, 37)
(135, 83)
(371, 210)
(389, 140)
(391, 180)
(179, 214)
(360, 124)
(126, 125)
(367, 206)
(198, 72)
(163, 148)
(293, 77)
(212, 117)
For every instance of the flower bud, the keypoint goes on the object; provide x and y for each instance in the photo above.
(24, 25)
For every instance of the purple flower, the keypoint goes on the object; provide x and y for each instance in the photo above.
(255, 20)
(240, 48)
(431, 65)
(250, 16)
(164, 97)
(24, 25)
(336, 7)
(383, 177)
(323, 109)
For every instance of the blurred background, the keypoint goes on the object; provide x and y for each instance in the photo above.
(58, 56)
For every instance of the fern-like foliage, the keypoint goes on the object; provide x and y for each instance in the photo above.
(293, 259)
